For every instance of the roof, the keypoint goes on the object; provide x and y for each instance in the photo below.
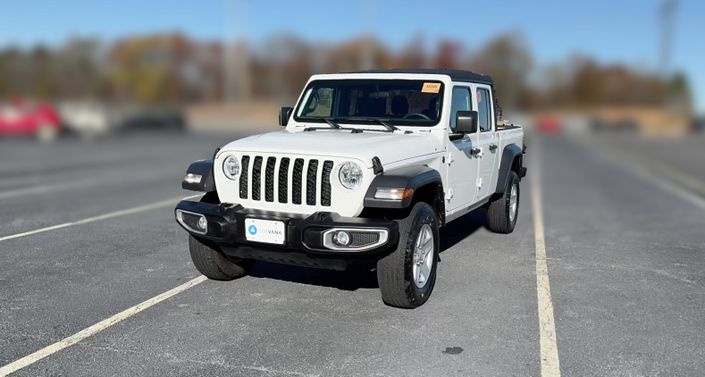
(455, 75)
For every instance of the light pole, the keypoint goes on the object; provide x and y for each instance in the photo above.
(668, 9)
(235, 55)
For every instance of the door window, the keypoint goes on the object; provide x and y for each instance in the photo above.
(483, 109)
(460, 102)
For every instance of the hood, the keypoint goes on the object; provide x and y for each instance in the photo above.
(389, 147)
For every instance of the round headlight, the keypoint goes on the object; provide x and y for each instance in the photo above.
(350, 175)
(231, 167)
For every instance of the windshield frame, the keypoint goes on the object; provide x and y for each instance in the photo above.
(369, 120)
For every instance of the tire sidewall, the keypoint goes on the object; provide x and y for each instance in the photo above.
(513, 180)
(421, 215)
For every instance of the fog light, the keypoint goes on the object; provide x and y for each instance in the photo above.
(202, 223)
(341, 238)
(354, 239)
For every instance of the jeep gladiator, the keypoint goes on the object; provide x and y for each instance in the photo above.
(368, 168)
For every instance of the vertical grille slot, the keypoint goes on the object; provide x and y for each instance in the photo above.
(325, 183)
(283, 179)
(269, 179)
(311, 182)
(296, 181)
(244, 175)
(257, 178)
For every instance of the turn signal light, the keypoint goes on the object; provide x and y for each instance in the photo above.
(393, 193)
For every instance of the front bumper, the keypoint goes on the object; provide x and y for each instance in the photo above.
(306, 238)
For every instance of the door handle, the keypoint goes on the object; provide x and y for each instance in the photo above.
(493, 147)
(475, 151)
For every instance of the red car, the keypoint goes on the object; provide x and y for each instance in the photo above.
(20, 117)
(548, 125)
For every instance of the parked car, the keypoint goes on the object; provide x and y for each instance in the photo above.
(548, 125)
(91, 119)
(86, 118)
(625, 125)
(369, 167)
(156, 118)
(21, 117)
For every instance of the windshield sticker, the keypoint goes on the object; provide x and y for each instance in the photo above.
(431, 87)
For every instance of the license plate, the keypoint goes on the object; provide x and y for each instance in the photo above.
(266, 231)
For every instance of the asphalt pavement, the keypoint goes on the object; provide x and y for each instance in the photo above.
(625, 252)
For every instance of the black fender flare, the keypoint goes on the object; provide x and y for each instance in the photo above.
(509, 154)
(204, 169)
(412, 177)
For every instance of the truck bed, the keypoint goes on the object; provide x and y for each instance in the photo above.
(513, 134)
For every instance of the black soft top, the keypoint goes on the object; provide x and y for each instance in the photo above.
(455, 74)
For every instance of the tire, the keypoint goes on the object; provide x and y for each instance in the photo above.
(501, 215)
(212, 264)
(397, 271)
(209, 261)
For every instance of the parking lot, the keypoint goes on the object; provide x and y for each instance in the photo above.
(87, 234)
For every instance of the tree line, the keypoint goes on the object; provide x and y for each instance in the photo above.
(172, 68)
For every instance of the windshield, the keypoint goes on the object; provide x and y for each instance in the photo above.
(401, 102)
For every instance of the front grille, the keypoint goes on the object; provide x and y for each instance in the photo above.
(296, 178)
(309, 178)
(257, 178)
(325, 184)
(269, 180)
(283, 180)
(243, 176)
(311, 182)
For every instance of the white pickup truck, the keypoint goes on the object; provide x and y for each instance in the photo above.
(369, 167)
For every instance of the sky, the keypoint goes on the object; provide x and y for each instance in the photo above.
(610, 31)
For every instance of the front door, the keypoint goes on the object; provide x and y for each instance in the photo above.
(462, 165)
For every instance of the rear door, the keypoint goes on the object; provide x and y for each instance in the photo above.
(462, 166)
(486, 141)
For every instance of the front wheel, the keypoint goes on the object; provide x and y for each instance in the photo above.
(211, 263)
(406, 277)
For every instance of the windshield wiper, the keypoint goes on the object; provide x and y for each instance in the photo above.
(383, 122)
(332, 123)
(388, 126)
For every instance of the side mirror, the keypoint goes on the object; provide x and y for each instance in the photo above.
(284, 114)
(466, 122)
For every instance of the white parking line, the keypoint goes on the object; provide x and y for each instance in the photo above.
(41, 189)
(664, 184)
(81, 183)
(109, 215)
(550, 365)
(22, 181)
(96, 328)
(687, 190)
(678, 176)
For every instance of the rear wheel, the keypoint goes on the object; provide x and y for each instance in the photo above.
(407, 276)
(503, 211)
